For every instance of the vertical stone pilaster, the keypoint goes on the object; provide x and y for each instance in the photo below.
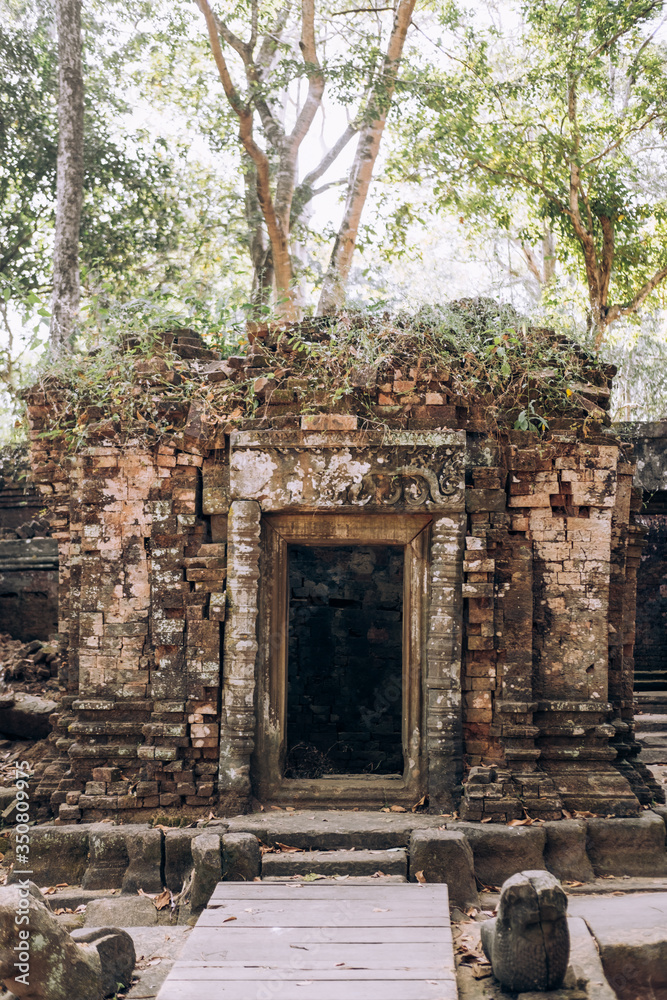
(443, 662)
(237, 730)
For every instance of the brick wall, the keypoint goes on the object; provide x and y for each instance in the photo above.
(550, 562)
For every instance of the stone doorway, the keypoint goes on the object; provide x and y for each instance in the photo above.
(340, 662)
(345, 661)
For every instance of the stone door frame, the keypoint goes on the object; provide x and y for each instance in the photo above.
(411, 532)
(353, 478)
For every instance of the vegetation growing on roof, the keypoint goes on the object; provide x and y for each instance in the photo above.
(474, 353)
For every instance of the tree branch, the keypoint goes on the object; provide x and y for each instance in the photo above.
(271, 40)
(607, 256)
(370, 136)
(329, 158)
(523, 179)
(315, 76)
(272, 129)
(532, 264)
(277, 235)
(608, 42)
(634, 304)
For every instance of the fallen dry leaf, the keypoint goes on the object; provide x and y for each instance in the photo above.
(227, 919)
(397, 809)
(286, 849)
(573, 883)
(162, 901)
(487, 819)
(419, 805)
(379, 909)
(481, 971)
(421, 878)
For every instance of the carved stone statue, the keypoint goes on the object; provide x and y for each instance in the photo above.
(39, 960)
(528, 943)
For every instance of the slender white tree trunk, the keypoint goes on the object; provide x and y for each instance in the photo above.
(332, 297)
(66, 279)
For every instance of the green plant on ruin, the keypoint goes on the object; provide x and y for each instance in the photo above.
(478, 352)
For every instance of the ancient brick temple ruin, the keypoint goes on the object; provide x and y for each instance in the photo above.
(383, 596)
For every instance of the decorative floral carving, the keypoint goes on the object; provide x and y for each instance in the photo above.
(411, 485)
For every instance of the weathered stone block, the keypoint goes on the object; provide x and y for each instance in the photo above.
(57, 854)
(145, 870)
(108, 858)
(178, 857)
(207, 858)
(501, 851)
(628, 846)
(565, 850)
(135, 911)
(485, 500)
(445, 856)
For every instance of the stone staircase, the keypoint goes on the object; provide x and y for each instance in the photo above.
(651, 727)
(647, 681)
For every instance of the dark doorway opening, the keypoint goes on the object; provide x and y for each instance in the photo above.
(344, 676)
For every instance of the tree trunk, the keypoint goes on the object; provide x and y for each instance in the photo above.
(260, 252)
(66, 279)
(332, 297)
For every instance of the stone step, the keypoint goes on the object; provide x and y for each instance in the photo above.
(323, 830)
(650, 723)
(655, 739)
(353, 863)
(342, 879)
(653, 701)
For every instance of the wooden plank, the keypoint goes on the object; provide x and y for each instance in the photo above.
(225, 891)
(318, 942)
(231, 936)
(304, 989)
(318, 955)
(184, 970)
(308, 914)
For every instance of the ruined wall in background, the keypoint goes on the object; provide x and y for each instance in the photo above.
(28, 559)
(651, 640)
(649, 442)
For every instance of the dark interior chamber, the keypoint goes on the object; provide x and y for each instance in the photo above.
(344, 698)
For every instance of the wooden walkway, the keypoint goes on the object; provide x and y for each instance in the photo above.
(318, 941)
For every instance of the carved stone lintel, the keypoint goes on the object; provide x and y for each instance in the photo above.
(237, 736)
(396, 470)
